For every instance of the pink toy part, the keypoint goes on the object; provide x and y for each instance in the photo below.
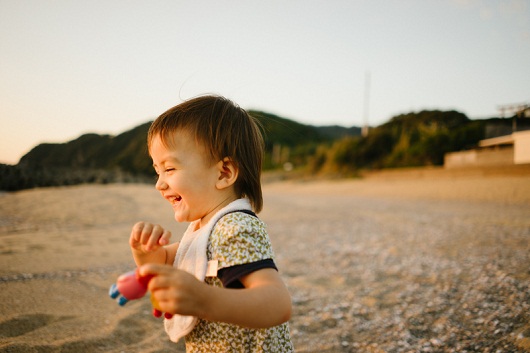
(133, 286)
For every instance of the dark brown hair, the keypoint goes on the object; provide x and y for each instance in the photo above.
(224, 130)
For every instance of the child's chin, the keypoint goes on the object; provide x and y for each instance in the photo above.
(180, 218)
(183, 218)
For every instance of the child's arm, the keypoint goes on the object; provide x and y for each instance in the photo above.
(149, 244)
(263, 303)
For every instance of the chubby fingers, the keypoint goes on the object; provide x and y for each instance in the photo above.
(163, 278)
(158, 276)
(149, 236)
(172, 290)
(155, 270)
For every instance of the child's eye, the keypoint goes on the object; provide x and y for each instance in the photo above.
(169, 170)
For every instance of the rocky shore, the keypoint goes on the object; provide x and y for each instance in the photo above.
(415, 264)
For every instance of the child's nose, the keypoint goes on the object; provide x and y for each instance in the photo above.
(160, 184)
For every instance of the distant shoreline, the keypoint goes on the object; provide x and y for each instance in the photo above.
(498, 185)
(407, 173)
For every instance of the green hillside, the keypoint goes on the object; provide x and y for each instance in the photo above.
(414, 139)
(93, 158)
(409, 140)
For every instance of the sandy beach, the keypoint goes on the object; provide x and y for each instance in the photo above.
(417, 262)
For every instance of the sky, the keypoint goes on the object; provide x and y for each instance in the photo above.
(105, 66)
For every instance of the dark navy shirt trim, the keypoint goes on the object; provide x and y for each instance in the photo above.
(230, 276)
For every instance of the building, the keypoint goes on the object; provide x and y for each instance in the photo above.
(498, 151)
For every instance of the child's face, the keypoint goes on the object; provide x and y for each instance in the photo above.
(187, 178)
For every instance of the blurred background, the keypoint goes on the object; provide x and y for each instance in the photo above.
(427, 77)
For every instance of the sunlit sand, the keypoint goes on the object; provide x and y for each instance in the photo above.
(390, 261)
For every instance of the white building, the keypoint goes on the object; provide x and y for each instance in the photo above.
(498, 151)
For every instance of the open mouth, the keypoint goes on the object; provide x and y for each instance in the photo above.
(174, 199)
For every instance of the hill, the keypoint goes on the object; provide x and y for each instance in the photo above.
(407, 140)
(93, 158)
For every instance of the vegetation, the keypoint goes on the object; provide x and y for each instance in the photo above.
(287, 141)
(414, 139)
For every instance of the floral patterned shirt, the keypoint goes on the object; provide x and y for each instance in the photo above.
(237, 239)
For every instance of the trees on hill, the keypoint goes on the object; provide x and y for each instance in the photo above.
(413, 139)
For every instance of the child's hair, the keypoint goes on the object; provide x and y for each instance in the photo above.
(224, 130)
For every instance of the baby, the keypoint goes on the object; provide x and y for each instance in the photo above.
(220, 281)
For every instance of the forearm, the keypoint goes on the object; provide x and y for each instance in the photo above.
(263, 303)
(259, 307)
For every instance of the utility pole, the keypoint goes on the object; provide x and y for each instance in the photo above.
(366, 106)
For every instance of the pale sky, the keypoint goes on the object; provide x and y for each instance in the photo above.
(73, 67)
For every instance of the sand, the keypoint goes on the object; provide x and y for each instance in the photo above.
(388, 263)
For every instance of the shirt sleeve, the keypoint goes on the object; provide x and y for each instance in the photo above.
(230, 276)
(239, 239)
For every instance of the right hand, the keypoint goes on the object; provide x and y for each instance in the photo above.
(147, 238)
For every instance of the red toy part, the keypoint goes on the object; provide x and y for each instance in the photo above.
(133, 286)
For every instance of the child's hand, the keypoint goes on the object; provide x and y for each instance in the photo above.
(147, 238)
(175, 291)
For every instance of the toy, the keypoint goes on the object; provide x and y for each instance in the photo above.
(133, 286)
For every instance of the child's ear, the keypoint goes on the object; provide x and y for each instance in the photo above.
(228, 173)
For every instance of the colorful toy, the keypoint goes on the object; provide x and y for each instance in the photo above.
(133, 286)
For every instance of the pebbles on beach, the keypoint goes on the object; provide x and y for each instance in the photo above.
(394, 274)
(370, 266)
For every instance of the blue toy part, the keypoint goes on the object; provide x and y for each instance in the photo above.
(131, 286)
(113, 291)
